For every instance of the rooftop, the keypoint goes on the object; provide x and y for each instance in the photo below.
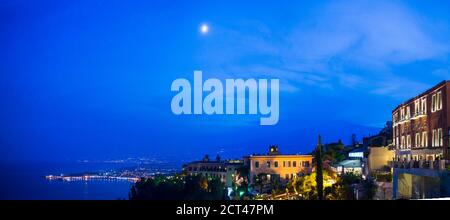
(442, 83)
(281, 155)
(350, 163)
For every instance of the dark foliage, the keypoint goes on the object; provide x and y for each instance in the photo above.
(178, 188)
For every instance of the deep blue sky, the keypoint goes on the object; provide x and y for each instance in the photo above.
(91, 79)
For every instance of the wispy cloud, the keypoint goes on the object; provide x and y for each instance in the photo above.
(348, 44)
(370, 33)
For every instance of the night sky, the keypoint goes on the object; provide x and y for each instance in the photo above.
(91, 79)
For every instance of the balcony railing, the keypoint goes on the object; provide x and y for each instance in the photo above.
(421, 164)
(408, 117)
(417, 114)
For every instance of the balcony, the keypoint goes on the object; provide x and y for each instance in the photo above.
(401, 120)
(406, 118)
(419, 114)
(420, 164)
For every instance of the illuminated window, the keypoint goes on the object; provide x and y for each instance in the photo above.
(436, 102)
(402, 142)
(417, 140)
(417, 107)
(424, 105)
(356, 154)
(268, 164)
(424, 139)
(408, 141)
(433, 137)
(433, 103)
(395, 118)
(306, 164)
(439, 101)
(436, 137)
(408, 112)
(402, 113)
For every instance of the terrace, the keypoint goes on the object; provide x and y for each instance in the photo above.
(421, 164)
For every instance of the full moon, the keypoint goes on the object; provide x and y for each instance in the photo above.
(204, 28)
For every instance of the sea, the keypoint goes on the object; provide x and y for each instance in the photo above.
(26, 181)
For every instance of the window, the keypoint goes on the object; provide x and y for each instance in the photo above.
(256, 164)
(417, 107)
(408, 141)
(402, 113)
(402, 143)
(417, 140)
(306, 164)
(433, 103)
(439, 101)
(268, 164)
(294, 163)
(275, 164)
(436, 102)
(284, 163)
(424, 105)
(408, 112)
(424, 139)
(289, 163)
(433, 138)
(437, 138)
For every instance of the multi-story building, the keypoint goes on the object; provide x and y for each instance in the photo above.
(279, 166)
(378, 158)
(225, 170)
(421, 125)
(354, 163)
(421, 139)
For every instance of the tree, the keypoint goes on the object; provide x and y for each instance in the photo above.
(240, 183)
(319, 170)
(178, 188)
(370, 189)
(344, 188)
(354, 140)
(259, 181)
(334, 152)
